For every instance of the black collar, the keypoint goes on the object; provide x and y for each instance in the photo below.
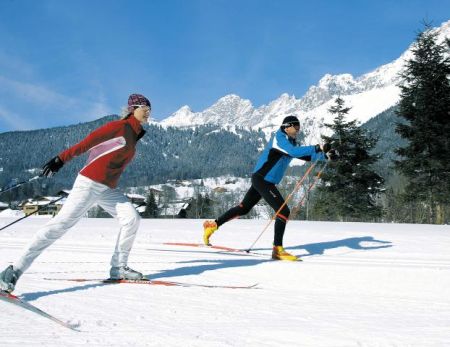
(142, 133)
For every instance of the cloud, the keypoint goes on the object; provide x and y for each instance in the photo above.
(15, 65)
(34, 93)
(44, 107)
(95, 110)
(14, 121)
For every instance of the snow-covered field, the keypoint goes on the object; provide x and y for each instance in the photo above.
(359, 285)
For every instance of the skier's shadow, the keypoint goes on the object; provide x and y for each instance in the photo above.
(182, 271)
(37, 295)
(201, 266)
(355, 243)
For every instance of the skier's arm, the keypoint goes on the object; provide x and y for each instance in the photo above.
(96, 137)
(282, 144)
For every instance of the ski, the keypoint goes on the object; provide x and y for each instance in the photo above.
(15, 300)
(219, 248)
(153, 283)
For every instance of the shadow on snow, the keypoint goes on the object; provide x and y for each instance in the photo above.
(166, 274)
(201, 266)
(319, 248)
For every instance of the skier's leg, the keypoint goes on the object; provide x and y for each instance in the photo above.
(273, 197)
(251, 198)
(82, 196)
(116, 204)
(270, 193)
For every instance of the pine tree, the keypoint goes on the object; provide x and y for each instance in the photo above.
(349, 187)
(425, 105)
(201, 207)
(151, 208)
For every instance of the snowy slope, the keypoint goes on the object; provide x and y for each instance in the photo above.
(359, 285)
(368, 95)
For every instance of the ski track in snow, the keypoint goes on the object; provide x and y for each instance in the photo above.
(359, 285)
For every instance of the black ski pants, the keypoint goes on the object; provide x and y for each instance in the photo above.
(268, 191)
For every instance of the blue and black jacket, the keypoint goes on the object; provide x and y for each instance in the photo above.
(279, 152)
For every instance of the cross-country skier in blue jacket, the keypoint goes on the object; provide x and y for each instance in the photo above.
(268, 172)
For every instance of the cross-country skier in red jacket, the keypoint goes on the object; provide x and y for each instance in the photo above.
(111, 147)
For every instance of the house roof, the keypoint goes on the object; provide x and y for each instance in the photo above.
(135, 196)
(43, 200)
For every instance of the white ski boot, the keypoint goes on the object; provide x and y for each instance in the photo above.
(8, 279)
(124, 273)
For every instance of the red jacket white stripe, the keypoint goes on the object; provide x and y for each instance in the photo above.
(111, 148)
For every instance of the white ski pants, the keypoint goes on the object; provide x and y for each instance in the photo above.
(84, 194)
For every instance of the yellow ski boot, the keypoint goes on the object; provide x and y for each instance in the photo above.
(209, 227)
(279, 253)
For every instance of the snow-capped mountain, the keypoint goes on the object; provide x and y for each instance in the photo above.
(367, 95)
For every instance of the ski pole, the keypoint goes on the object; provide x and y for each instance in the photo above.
(39, 209)
(316, 178)
(297, 187)
(5, 189)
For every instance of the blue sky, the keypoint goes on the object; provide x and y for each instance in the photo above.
(64, 62)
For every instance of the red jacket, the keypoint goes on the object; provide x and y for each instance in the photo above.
(111, 148)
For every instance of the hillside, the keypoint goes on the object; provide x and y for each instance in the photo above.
(163, 154)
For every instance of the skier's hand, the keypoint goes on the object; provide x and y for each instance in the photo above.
(332, 154)
(52, 167)
(326, 147)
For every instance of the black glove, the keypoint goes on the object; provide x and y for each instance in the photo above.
(332, 154)
(325, 148)
(52, 167)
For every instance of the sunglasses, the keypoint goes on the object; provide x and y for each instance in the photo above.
(141, 106)
(288, 125)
